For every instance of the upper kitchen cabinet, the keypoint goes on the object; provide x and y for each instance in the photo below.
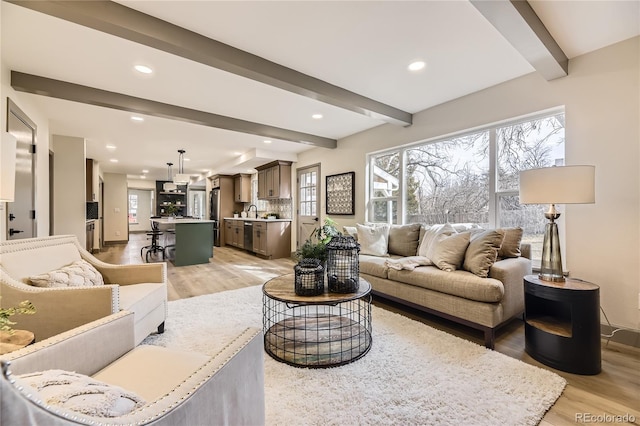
(242, 188)
(274, 180)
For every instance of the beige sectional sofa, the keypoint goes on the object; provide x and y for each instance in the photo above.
(141, 289)
(458, 295)
(171, 387)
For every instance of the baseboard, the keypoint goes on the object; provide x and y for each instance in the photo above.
(624, 336)
(114, 242)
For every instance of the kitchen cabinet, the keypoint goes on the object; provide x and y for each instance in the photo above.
(234, 233)
(164, 198)
(90, 195)
(242, 188)
(274, 180)
(272, 239)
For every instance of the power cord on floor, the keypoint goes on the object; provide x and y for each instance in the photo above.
(614, 331)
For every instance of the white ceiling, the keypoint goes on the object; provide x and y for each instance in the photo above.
(362, 46)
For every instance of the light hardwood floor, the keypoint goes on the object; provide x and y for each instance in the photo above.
(613, 392)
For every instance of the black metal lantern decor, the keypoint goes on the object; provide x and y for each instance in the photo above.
(343, 269)
(309, 277)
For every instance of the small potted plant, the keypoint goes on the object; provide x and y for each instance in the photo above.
(236, 213)
(315, 247)
(25, 307)
(172, 209)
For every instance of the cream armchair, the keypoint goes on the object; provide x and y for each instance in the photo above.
(178, 387)
(141, 289)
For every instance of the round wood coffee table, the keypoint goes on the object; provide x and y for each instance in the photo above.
(315, 331)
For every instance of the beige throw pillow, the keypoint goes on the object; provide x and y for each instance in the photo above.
(511, 244)
(373, 240)
(403, 239)
(78, 274)
(448, 253)
(482, 252)
(83, 394)
(350, 231)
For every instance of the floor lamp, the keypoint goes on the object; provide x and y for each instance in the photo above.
(556, 185)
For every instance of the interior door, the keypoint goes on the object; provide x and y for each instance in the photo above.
(308, 179)
(21, 213)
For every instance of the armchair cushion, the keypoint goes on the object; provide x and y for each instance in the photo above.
(82, 394)
(78, 274)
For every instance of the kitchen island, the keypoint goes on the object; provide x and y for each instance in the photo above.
(192, 239)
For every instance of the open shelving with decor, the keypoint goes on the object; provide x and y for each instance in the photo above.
(166, 198)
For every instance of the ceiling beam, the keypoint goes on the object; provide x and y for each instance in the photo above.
(88, 95)
(127, 23)
(521, 26)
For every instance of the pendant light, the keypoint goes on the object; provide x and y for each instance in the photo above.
(181, 178)
(168, 186)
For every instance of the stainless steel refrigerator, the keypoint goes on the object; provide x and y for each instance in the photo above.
(214, 209)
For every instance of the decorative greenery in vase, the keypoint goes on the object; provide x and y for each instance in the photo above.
(315, 247)
(172, 209)
(25, 307)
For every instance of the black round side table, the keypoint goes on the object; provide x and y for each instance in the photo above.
(562, 324)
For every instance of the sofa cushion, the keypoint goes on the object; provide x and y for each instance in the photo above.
(83, 394)
(350, 231)
(141, 299)
(448, 253)
(20, 264)
(78, 274)
(458, 283)
(374, 265)
(373, 240)
(152, 371)
(482, 252)
(431, 235)
(511, 244)
(403, 239)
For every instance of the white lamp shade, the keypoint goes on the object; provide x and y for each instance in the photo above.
(169, 186)
(181, 178)
(7, 167)
(558, 185)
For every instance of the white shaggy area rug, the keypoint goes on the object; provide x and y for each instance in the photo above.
(413, 374)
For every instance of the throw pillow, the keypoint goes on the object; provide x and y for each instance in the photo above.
(373, 239)
(511, 244)
(83, 394)
(482, 252)
(350, 231)
(448, 253)
(431, 235)
(79, 274)
(403, 239)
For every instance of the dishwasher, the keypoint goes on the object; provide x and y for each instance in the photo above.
(248, 236)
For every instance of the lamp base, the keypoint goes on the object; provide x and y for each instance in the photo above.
(551, 266)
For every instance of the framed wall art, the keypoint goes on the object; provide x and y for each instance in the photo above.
(341, 194)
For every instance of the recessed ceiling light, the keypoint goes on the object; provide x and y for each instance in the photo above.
(145, 171)
(143, 69)
(237, 153)
(250, 170)
(111, 147)
(416, 66)
(267, 141)
(137, 118)
(114, 160)
(316, 116)
(143, 177)
(186, 159)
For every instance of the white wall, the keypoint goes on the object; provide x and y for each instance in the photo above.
(601, 96)
(42, 151)
(115, 208)
(69, 187)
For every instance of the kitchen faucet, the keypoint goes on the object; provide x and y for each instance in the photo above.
(249, 209)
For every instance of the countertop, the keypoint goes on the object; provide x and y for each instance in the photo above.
(165, 221)
(248, 219)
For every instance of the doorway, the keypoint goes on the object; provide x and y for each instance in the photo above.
(309, 189)
(21, 213)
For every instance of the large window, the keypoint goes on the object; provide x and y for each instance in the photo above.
(468, 178)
